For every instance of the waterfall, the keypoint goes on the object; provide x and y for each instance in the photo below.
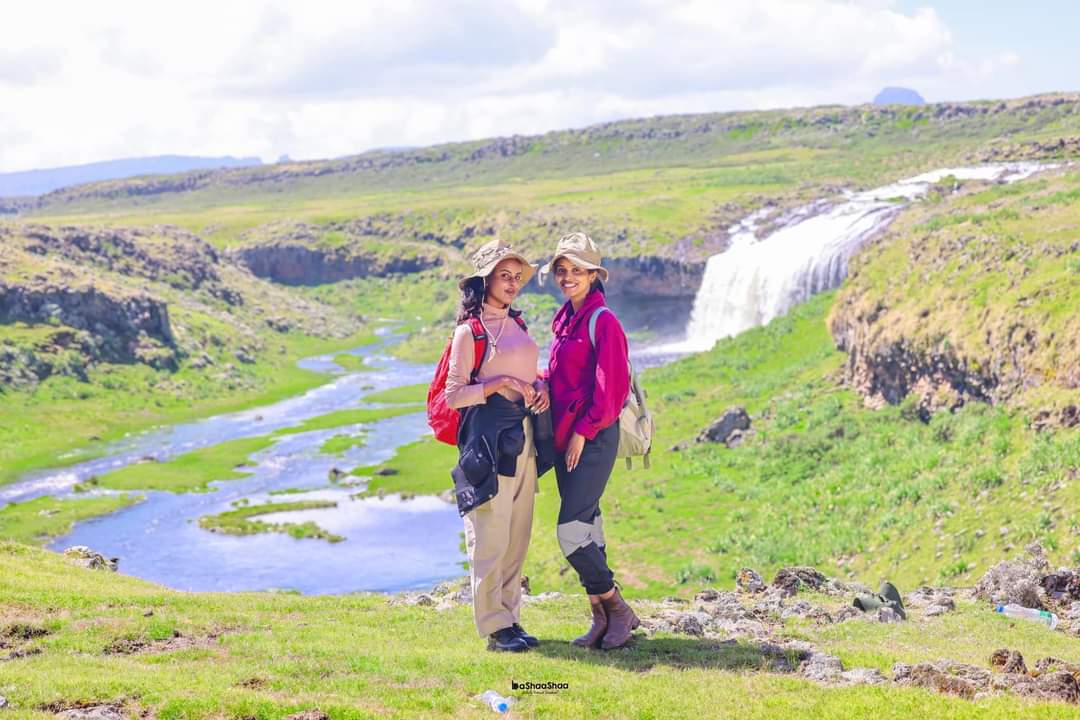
(756, 280)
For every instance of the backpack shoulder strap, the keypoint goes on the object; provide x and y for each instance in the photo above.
(592, 323)
(480, 343)
(521, 322)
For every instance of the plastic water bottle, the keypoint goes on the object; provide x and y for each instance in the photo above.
(1045, 617)
(495, 701)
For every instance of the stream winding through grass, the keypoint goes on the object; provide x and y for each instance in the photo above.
(391, 544)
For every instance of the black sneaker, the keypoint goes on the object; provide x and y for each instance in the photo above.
(506, 640)
(530, 640)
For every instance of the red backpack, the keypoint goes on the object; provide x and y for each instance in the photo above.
(442, 418)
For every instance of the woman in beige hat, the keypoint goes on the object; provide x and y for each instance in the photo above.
(589, 376)
(495, 478)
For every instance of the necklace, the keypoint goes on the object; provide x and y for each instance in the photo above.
(493, 341)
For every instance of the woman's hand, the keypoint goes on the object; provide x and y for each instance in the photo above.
(573, 451)
(521, 387)
(543, 399)
(506, 382)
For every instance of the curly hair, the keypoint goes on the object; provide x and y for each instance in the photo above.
(472, 299)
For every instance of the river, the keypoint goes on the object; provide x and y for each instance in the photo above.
(391, 544)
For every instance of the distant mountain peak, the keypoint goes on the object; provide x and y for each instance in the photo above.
(898, 96)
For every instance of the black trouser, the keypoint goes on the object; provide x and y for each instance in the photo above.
(581, 530)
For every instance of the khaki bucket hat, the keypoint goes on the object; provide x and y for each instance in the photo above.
(490, 254)
(578, 248)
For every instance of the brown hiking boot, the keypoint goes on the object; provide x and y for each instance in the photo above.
(596, 632)
(621, 620)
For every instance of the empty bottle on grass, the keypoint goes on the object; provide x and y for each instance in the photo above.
(1013, 610)
(495, 701)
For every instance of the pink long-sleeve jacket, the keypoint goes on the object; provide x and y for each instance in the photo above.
(589, 386)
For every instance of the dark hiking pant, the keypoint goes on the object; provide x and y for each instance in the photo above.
(581, 530)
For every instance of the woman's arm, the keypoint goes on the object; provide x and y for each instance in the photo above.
(459, 393)
(612, 384)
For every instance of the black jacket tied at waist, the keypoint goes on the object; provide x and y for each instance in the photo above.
(490, 439)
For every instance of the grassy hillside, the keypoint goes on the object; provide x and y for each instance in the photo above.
(977, 289)
(661, 185)
(83, 638)
(822, 480)
(988, 282)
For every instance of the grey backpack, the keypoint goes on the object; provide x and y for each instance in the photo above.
(635, 422)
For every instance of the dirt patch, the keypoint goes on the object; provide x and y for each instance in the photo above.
(314, 714)
(19, 631)
(142, 646)
(86, 710)
(254, 683)
(16, 638)
(19, 653)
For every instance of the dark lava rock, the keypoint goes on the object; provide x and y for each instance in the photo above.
(793, 579)
(1008, 661)
(294, 263)
(724, 428)
(945, 677)
(1016, 581)
(314, 714)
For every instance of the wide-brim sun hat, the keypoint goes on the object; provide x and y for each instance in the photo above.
(490, 254)
(578, 248)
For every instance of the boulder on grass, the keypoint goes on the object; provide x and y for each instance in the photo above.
(729, 428)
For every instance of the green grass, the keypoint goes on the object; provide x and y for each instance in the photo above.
(423, 467)
(823, 481)
(658, 185)
(400, 395)
(41, 519)
(986, 279)
(292, 491)
(339, 418)
(338, 444)
(190, 472)
(268, 655)
(64, 421)
(972, 631)
(194, 471)
(352, 363)
(240, 521)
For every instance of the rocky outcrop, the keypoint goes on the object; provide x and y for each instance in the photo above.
(298, 264)
(163, 254)
(14, 205)
(887, 373)
(85, 557)
(124, 327)
(1016, 581)
(154, 296)
(973, 682)
(1056, 149)
(729, 428)
(969, 299)
(649, 276)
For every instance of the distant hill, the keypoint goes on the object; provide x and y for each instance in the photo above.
(625, 145)
(899, 96)
(38, 182)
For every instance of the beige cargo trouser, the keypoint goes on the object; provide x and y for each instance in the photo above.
(496, 539)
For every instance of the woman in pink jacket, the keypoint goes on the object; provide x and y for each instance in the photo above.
(589, 385)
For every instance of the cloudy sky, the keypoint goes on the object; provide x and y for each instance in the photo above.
(82, 81)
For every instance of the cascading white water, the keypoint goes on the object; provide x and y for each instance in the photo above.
(757, 280)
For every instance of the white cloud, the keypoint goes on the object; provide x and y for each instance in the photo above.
(82, 82)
